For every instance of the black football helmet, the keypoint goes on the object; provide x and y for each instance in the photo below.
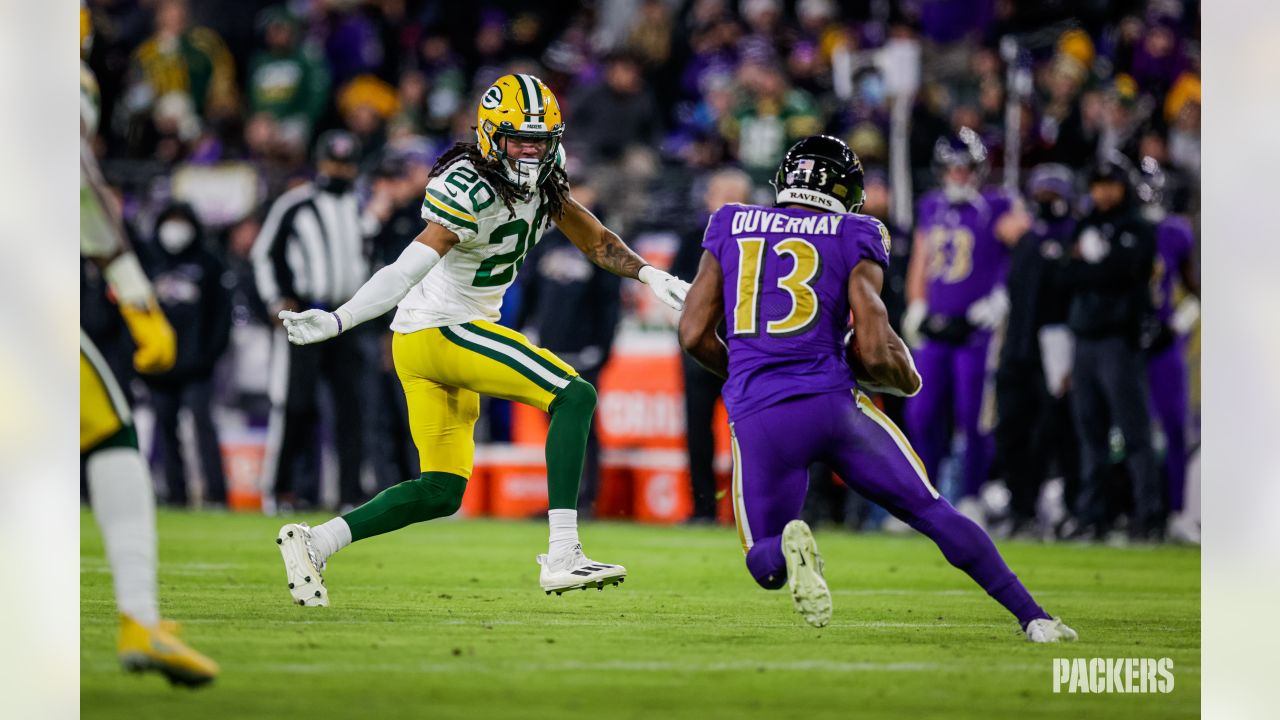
(822, 172)
(338, 146)
(1113, 166)
(964, 149)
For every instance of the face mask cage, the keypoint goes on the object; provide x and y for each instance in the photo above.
(526, 173)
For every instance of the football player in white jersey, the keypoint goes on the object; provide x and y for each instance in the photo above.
(486, 204)
(120, 489)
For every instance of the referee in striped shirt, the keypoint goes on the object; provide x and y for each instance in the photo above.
(313, 252)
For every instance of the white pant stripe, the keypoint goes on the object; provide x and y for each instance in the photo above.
(739, 502)
(512, 353)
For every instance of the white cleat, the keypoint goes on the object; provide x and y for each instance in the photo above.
(1049, 630)
(1183, 529)
(575, 571)
(804, 574)
(302, 566)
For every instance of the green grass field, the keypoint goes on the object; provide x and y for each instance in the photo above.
(446, 620)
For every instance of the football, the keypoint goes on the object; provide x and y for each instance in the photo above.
(854, 358)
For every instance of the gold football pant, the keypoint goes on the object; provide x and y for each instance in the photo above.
(104, 412)
(444, 372)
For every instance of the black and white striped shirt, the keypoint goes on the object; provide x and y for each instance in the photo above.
(312, 248)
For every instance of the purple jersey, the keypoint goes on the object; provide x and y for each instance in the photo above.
(1175, 241)
(966, 261)
(786, 299)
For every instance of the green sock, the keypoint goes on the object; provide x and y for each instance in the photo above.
(571, 414)
(435, 494)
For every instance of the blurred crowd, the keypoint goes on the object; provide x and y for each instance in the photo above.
(210, 112)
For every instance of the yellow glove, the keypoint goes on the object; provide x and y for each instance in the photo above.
(152, 333)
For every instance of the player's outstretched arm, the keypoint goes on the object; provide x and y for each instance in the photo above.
(108, 247)
(703, 311)
(606, 249)
(379, 294)
(884, 356)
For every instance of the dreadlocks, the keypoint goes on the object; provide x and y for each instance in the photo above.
(553, 191)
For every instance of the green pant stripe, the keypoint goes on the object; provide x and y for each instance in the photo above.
(498, 357)
(521, 347)
(125, 437)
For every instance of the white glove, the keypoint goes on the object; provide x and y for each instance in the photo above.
(1093, 248)
(1185, 315)
(670, 289)
(309, 327)
(990, 311)
(886, 390)
(912, 319)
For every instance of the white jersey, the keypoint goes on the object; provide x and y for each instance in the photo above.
(98, 234)
(469, 281)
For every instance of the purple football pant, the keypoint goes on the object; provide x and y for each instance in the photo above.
(1167, 378)
(772, 451)
(954, 377)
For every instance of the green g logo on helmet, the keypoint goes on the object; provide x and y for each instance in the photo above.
(492, 98)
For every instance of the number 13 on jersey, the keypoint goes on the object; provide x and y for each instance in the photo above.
(798, 284)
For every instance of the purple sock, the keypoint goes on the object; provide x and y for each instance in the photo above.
(767, 564)
(967, 547)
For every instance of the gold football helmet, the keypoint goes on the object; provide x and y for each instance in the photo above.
(86, 30)
(520, 106)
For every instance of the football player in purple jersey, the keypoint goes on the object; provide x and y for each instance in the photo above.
(956, 300)
(784, 280)
(1167, 373)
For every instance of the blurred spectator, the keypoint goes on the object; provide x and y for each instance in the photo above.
(771, 118)
(1110, 277)
(444, 85)
(701, 388)
(1182, 110)
(488, 51)
(1158, 60)
(287, 82)
(714, 51)
(650, 38)
(366, 103)
(768, 38)
(352, 41)
(571, 307)
(178, 59)
(311, 253)
(191, 290)
(1035, 428)
(614, 115)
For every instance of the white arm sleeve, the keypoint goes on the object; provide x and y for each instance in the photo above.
(388, 286)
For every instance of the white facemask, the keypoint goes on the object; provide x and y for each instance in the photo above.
(956, 193)
(523, 173)
(175, 235)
